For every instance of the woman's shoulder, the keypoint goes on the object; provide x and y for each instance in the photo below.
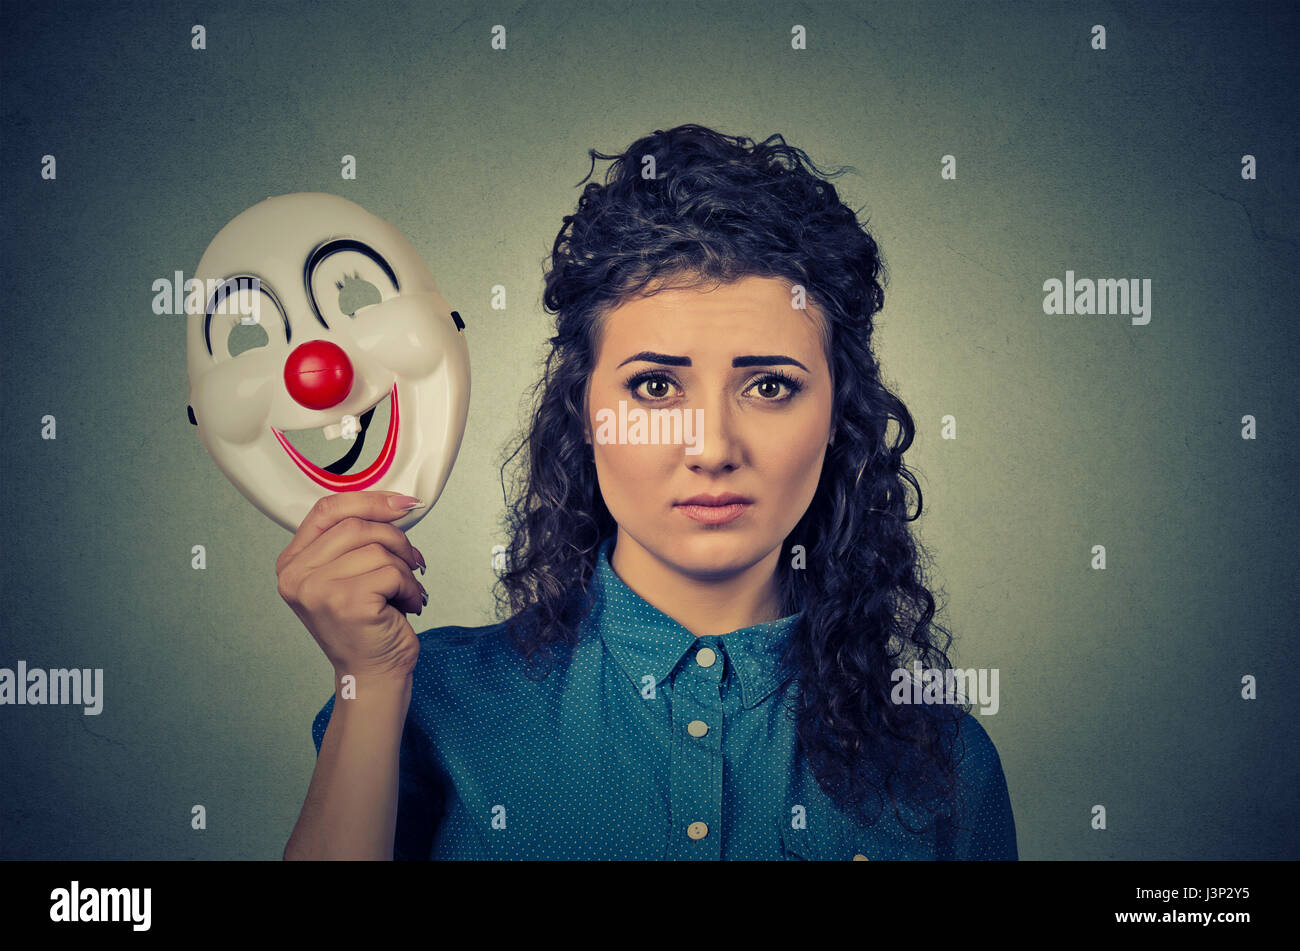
(451, 637)
(977, 759)
(476, 648)
(987, 827)
(969, 748)
(973, 742)
(457, 643)
(966, 745)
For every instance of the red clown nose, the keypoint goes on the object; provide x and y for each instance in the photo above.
(318, 374)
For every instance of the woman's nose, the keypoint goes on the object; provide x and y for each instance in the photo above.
(318, 374)
(717, 436)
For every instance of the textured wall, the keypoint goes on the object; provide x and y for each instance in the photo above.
(1119, 687)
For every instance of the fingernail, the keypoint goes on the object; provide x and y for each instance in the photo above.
(420, 558)
(424, 595)
(403, 503)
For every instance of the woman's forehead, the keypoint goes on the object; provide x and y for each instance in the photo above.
(753, 312)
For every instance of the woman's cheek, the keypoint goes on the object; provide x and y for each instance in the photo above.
(617, 471)
(803, 463)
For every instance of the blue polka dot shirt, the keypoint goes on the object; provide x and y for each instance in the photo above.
(643, 742)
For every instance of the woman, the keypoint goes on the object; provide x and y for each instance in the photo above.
(710, 580)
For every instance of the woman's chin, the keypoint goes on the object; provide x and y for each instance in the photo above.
(701, 553)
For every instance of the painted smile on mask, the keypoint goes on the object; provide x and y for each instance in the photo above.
(331, 477)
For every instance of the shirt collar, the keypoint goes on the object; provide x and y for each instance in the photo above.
(645, 640)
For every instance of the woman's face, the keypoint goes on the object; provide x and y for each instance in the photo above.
(708, 357)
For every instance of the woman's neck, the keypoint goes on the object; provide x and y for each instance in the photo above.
(704, 606)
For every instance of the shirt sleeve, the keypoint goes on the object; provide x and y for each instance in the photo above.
(420, 800)
(983, 828)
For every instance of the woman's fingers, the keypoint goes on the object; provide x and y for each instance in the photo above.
(356, 532)
(329, 510)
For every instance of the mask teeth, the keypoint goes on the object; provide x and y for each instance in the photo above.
(335, 430)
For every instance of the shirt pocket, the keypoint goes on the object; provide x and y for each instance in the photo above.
(832, 836)
(828, 837)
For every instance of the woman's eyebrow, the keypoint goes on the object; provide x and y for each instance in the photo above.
(777, 358)
(747, 361)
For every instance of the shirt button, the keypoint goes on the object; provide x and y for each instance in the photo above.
(861, 858)
(697, 830)
(697, 728)
(706, 657)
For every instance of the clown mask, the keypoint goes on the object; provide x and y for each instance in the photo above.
(323, 359)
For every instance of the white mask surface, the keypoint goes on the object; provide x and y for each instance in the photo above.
(314, 321)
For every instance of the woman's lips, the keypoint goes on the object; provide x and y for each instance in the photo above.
(714, 514)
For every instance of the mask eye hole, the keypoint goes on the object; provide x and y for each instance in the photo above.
(344, 277)
(246, 337)
(356, 292)
(238, 313)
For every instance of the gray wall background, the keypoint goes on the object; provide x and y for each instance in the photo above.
(1119, 687)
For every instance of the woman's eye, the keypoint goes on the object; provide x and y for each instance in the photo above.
(769, 388)
(652, 387)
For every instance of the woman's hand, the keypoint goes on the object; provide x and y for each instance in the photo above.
(349, 576)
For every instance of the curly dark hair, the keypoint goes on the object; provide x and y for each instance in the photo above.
(719, 208)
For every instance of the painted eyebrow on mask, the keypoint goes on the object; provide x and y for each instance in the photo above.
(746, 361)
(237, 282)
